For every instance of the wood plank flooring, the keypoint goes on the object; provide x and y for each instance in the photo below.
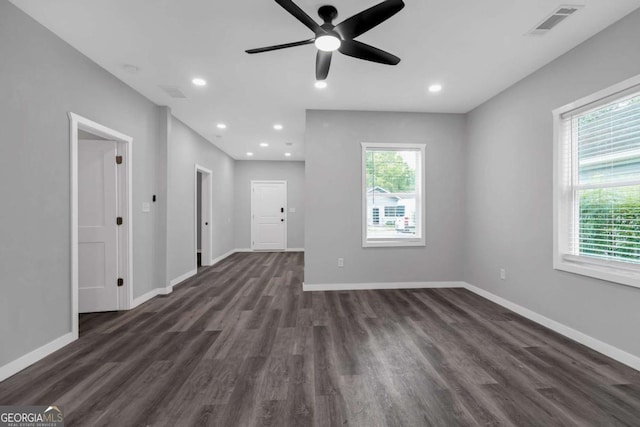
(240, 344)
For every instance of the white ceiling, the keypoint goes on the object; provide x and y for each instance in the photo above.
(475, 49)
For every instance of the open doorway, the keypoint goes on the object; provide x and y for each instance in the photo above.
(203, 229)
(101, 214)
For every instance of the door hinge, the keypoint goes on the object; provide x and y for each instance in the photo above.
(120, 281)
(119, 220)
(118, 160)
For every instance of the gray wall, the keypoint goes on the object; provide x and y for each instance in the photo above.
(509, 192)
(186, 149)
(41, 80)
(293, 173)
(333, 197)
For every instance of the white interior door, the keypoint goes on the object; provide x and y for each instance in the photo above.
(269, 210)
(97, 228)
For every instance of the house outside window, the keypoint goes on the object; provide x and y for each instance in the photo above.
(393, 200)
(597, 185)
(394, 211)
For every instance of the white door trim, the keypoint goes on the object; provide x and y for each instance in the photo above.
(76, 123)
(207, 198)
(286, 201)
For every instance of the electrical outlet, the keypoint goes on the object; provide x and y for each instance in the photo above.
(340, 262)
(503, 274)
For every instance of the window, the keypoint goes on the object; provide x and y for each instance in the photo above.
(597, 185)
(392, 200)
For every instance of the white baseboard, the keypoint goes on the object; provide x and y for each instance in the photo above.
(221, 257)
(181, 279)
(146, 297)
(29, 359)
(582, 338)
(294, 250)
(243, 250)
(381, 285)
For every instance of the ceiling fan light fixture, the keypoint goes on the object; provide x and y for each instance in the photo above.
(327, 43)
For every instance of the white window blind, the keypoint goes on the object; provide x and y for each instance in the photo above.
(602, 170)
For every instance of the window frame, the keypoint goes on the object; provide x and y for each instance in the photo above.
(564, 201)
(420, 196)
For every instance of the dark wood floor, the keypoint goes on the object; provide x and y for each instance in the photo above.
(241, 344)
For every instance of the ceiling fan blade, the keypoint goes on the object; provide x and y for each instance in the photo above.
(369, 18)
(280, 46)
(323, 62)
(300, 15)
(360, 50)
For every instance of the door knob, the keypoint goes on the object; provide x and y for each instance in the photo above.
(282, 220)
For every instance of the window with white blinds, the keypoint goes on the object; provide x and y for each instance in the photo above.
(392, 199)
(598, 186)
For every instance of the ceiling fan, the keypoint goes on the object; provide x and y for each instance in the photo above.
(329, 38)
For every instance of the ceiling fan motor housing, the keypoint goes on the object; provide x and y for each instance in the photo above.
(328, 13)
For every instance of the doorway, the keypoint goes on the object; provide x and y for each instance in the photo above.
(101, 219)
(203, 229)
(268, 215)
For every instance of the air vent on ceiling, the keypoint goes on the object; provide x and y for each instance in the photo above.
(172, 91)
(559, 15)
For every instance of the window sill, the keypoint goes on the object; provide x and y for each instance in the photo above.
(392, 243)
(612, 271)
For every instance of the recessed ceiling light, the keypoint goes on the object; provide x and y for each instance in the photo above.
(199, 82)
(320, 84)
(435, 88)
(264, 144)
(287, 154)
(221, 126)
(249, 153)
(277, 126)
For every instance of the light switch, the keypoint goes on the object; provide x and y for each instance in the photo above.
(146, 207)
